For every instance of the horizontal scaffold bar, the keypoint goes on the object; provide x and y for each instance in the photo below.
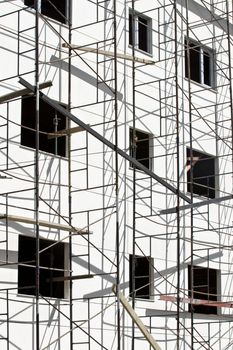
(107, 53)
(43, 223)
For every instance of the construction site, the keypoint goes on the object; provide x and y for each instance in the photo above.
(116, 168)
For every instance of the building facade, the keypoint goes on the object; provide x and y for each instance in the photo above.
(116, 172)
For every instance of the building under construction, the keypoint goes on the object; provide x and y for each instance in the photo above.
(116, 175)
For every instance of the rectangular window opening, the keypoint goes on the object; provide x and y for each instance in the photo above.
(207, 68)
(142, 142)
(55, 9)
(199, 63)
(205, 287)
(143, 276)
(52, 266)
(130, 29)
(140, 31)
(50, 122)
(203, 174)
(143, 39)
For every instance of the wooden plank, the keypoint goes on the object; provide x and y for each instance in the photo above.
(23, 92)
(69, 278)
(43, 223)
(198, 301)
(136, 320)
(108, 53)
(64, 132)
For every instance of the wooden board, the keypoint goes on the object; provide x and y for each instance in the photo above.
(136, 320)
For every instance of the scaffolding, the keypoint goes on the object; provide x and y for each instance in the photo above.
(124, 158)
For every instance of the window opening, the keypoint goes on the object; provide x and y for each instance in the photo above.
(143, 276)
(203, 174)
(50, 121)
(142, 144)
(201, 63)
(52, 265)
(205, 281)
(55, 9)
(142, 32)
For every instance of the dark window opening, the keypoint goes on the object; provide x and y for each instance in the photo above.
(142, 147)
(50, 122)
(142, 276)
(207, 68)
(199, 61)
(130, 29)
(204, 288)
(203, 171)
(29, 3)
(141, 33)
(55, 9)
(51, 266)
(195, 63)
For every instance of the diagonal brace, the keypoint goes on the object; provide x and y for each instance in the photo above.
(153, 343)
(109, 144)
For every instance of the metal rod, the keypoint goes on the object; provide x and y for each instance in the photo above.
(133, 146)
(69, 180)
(191, 168)
(37, 172)
(177, 175)
(116, 177)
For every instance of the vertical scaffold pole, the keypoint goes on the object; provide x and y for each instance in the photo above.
(116, 181)
(177, 174)
(133, 146)
(69, 179)
(37, 277)
(191, 169)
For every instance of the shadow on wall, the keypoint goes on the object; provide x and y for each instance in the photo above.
(56, 62)
(125, 285)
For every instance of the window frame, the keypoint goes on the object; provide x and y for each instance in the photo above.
(27, 134)
(30, 4)
(150, 149)
(208, 157)
(208, 310)
(29, 266)
(203, 49)
(150, 277)
(136, 35)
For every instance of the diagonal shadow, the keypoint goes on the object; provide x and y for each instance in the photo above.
(56, 62)
(125, 285)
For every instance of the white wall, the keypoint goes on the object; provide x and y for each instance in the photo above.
(93, 173)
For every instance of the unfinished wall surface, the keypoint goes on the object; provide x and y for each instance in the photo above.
(117, 172)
